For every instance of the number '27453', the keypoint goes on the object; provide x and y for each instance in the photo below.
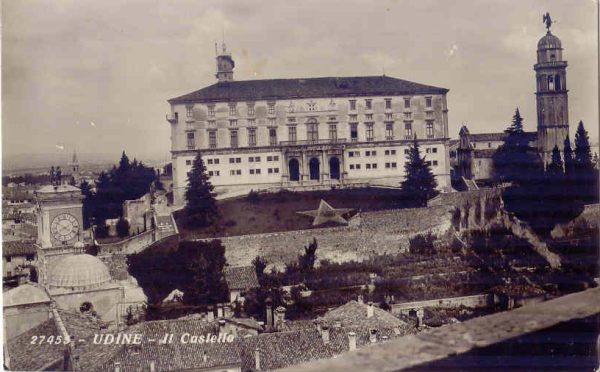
(38, 340)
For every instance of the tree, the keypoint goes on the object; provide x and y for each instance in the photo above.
(568, 155)
(88, 203)
(419, 184)
(585, 174)
(554, 170)
(517, 124)
(122, 227)
(201, 207)
(306, 262)
(205, 261)
(260, 264)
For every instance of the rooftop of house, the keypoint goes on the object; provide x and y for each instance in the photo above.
(17, 248)
(355, 314)
(271, 89)
(25, 294)
(25, 356)
(242, 277)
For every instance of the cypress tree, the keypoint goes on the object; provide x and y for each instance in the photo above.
(554, 170)
(585, 174)
(419, 184)
(583, 153)
(568, 155)
(201, 207)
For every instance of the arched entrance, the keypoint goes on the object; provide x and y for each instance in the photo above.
(294, 168)
(314, 166)
(334, 168)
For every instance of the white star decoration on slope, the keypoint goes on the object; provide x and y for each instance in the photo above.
(326, 213)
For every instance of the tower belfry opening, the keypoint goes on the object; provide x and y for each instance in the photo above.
(225, 64)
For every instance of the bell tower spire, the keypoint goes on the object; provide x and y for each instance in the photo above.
(551, 93)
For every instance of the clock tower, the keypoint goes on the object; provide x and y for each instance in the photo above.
(60, 216)
(551, 94)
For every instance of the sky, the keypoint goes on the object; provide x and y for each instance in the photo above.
(96, 75)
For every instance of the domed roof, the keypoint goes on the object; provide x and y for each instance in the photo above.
(549, 41)
(81, 271)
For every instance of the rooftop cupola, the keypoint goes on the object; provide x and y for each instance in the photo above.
(225, 65)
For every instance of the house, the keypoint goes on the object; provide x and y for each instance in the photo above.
(239, 281)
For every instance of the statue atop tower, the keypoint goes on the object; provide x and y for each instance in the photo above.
(551, 93)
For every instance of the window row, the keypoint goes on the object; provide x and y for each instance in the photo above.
(311, 106)
(312, 134)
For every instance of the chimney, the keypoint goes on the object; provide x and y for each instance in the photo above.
(227, 312)
(152, 369)
(373, 336)
(219, 311)
(257, 359)
(360, 299)
(420, 315)
(269, 306)
(221, 326)
(351, 341)
(337, 324)
(317, 322)
(204, 357)
(370, 309)
(117, 367)
(325, 334)
(279, 317)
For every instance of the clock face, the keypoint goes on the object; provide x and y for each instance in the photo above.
(64, 227)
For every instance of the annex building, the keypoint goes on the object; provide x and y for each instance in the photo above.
(311, 132)
(472, 155)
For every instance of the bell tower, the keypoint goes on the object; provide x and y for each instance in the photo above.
(225, 65)
(551, 94)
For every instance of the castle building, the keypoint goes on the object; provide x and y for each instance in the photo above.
(306, 133)
(471, 156)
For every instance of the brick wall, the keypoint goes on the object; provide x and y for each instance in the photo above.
(370, 233)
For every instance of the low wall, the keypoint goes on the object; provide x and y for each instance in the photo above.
(131, 245)
(475, 301)
(370, 233)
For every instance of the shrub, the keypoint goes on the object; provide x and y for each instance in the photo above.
(253, 197)
(422, 244)
(230, 223)
(122, 227)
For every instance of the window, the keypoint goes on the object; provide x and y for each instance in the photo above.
(273, 170)
(550, 82)
(434, 163)
(312, 132)
(351, 166)
(238, 160)
(254, 171)
(251, 122)
(312, 106)
(391, 165)
(428, 102)
(212, 139)
(408, 116)
(276, 158)
(489, 145)
(271, 108)
(406, 151)
(352, 105)
(429, 129)
(353, 118)
(269, 158)
(250, 109)
(189, 111)
(369, 132)
(212, 123)
(272, 122)
(251, 136)
(368, 166)
(388, 103)
(273, 136)
(434, 150)
(292, 133)
(231, 160)
(407, 102)
(389, 131)
(216, 161)
(234, 138)
(368, 117)
(211, 111)
(389, 116)
(213, 173)
(189, 162)
(374, 166)
(367, 153)
(235, 172)
(233, 122)
(191, 141)
(354, 132)
(408, 130)
(368, 104)
(333, 132)
(232, 109)
(210, 161)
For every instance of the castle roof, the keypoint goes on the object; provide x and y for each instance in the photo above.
(271, 89)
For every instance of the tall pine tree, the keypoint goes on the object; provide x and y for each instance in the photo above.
(516, 126)
(419, 184)
(201, 207)
(585, 174)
